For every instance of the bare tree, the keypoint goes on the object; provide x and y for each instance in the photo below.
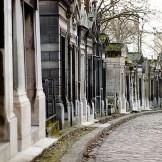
(158, 42)
(111, 9)
(122, 30)
(156, 45)
(120, 19)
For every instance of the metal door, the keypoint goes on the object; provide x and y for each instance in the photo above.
(48, 86)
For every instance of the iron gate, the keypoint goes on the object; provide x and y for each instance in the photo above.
(49, 90)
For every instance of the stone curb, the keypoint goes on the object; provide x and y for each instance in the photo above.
(33, 151)
(79, 148)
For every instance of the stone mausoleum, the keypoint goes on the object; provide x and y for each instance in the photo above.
(57, 70)
(22, 100)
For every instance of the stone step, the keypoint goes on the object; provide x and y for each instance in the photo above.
(34, 151)
(34, 134)
(4, 152)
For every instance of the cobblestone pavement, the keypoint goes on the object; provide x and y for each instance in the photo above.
(138, 140)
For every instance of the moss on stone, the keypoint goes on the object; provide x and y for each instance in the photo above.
(66, 141)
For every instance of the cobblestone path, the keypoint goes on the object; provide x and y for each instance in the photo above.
(138, 140)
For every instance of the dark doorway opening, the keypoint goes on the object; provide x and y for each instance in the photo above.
(152, 90)
(73, 78)
(2, 25)
(3, 129)
(63, 91)
(140, 91)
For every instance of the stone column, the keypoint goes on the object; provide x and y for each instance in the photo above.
(76, 82)
(83, 112)
(150, 92)
(8, 78)
(22, 105)
(143, 92)
(94, 81)
(122, 90)
(82, 81)
(71, 86)
(135, 103)
(40, 97)
(138, 91)
(158, 93)
(154, 93)
(147, 95)
(131, 90)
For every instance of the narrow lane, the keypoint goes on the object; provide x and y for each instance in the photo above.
(138, 140)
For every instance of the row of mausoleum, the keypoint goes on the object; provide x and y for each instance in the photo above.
(58, 71)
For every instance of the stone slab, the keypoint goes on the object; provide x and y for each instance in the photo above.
(98, 125)
(87, 123)
(4, 152)
(35, 150)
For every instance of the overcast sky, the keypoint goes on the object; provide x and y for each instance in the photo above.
(157, 20)
(154, 22)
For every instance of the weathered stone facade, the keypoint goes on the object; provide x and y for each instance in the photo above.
(56, 71)
(22, 98)
(132, 81)
(145, 76)
(69, 62)
(82, 79)
(116, 77)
